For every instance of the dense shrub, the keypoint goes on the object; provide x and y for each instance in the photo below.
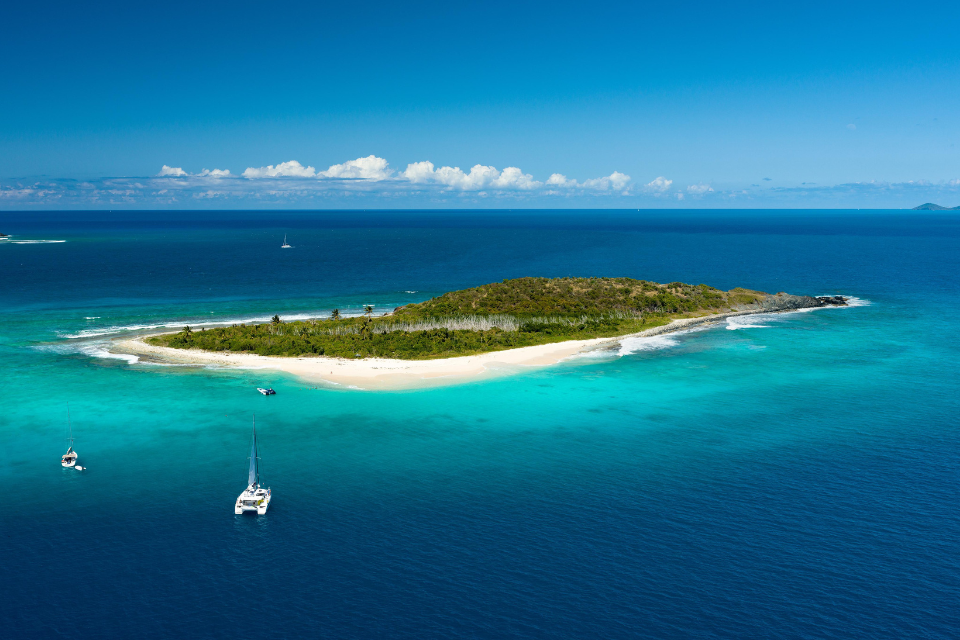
(503, 315)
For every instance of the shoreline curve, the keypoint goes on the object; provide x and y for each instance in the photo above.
(395, 374)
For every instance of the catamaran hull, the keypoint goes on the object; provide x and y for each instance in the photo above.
(259, 510)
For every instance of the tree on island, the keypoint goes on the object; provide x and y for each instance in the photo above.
(367, 310)
(335, 315)
(276, 319)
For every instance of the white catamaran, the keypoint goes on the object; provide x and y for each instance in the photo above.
(285, 245)
(254, 497)
(69, 459)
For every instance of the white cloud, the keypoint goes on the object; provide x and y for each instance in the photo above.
(513, 178)
(659, 184)
(166, 171)
(369, 168)
(284, 169)
(560, 180)
(679, 196)
(852, 127)
(216, 173)
(419, 172)
(699, 189)
(480, 176)
(615, 181)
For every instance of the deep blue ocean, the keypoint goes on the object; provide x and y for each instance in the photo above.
(790, 476)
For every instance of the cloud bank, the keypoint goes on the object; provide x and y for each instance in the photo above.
(370, 182)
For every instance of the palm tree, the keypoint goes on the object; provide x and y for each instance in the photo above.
(368, 310)
(336, 314)
(276, 319)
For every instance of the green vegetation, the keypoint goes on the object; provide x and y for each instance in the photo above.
(503, 315)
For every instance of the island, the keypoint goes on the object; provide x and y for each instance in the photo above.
(521, 321)
(929, 206)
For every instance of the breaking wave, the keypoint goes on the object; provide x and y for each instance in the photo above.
(647, 343)
(176, 324)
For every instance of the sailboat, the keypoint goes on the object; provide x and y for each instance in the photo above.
(69, 459)
(285, 245)
(254, 497)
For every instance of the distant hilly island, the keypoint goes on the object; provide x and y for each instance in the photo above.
(934, 207)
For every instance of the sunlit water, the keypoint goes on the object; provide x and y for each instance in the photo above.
(788, 476)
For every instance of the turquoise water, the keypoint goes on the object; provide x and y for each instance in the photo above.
(790, 476)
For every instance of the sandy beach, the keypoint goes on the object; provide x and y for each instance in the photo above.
(386, 373)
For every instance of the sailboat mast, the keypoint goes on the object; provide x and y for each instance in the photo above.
(69, 427)
(253, 477)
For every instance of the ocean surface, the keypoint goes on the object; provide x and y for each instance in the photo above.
(786, 476)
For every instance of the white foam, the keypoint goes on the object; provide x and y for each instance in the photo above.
(853, 301)
(173, 324)
(756, 320)
(91, 349)
(752, 321)
(36, 241)
(97, 351)
(647, 343)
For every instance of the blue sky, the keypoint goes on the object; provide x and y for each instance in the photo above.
(631, 104)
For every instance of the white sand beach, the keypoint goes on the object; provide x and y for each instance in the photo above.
(385, 373)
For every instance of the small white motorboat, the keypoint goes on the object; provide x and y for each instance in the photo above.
(267, 392)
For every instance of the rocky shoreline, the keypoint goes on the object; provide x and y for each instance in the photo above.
(779, 303)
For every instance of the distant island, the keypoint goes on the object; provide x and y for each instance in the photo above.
(517, 313)
(929, 206)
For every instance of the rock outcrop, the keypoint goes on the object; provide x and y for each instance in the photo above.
(787, 302)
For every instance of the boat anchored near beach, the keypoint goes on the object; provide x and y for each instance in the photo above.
(69, 459)
(267, 392)
(254, 497)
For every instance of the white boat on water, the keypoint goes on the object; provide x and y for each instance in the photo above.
(267, 392)
(254, 497)
(69, 459)
(285, 245)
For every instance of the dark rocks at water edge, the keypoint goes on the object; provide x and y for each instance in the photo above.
(786, 302)
(836, 301)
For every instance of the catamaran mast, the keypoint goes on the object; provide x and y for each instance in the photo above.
(253, 478)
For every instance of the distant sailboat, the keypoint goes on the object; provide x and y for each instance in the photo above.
(69, 459)
(254, 497)
(285, 245)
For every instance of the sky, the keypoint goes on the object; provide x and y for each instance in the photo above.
(493, 104)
